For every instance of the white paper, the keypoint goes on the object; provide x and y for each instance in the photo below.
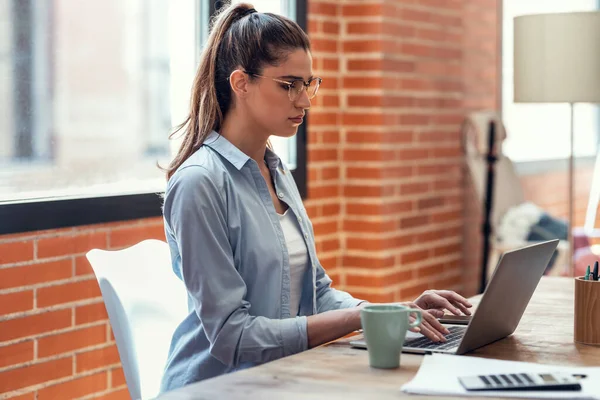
(438, 375)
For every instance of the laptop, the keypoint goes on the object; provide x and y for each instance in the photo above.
(502, 305)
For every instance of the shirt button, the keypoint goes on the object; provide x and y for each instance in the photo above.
(306, 235)
(300, 219)
(280, 195)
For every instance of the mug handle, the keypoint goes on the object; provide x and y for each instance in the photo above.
(417, 320)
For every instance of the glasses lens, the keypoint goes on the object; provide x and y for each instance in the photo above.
(295, 89)
(313, 88)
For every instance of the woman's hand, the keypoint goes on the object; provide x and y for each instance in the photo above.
(436, 301)
(430, 326)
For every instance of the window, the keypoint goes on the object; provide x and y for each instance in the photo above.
(541, 131)
(90, 92)
(88, 102)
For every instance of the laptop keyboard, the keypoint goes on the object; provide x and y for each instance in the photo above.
(452, 340)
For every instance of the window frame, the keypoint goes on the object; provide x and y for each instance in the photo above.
(29, 215)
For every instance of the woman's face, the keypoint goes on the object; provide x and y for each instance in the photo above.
(269, 100)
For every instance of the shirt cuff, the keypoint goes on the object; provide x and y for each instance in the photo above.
(294, 335)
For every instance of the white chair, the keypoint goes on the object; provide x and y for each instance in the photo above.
(145, 302)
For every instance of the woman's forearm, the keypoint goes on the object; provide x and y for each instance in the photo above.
(331, 325)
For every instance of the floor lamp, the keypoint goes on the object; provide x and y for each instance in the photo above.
(557, 60)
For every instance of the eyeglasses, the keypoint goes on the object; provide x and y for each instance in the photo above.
(296, 86)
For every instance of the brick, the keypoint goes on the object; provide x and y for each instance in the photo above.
(320, 155)
(320, 8)
(413, 154)
(329, 101)
(357, 191)
(363, 64)
(368, 155)
(325, 228)
(125, 237)
(449, 216)
(353, 261)
(323, 118)
(121, 394)
(412, 292)
(362, 10)
(34, 324)
(330, 173)
(353, 225)
(76, 388)
(414, 188)
(83, 266)
(27, 396)
(70, 244)
(362, 46)
(331, 27)
(378, 281)
(368, 243)
(365, 172)
(16, 302)
(323, 192)
(328, 263)
(90, 313)
(385, 297)
(329, 245)
(365, 101)
(18, 378)
(455, 248)
(117, 377)
(35, 273)
(98, 358)
(324, 45)
(68, 292)
(414, 222)
(363, 208)
(365, 82)
(13, 252)
(414, 256)
(432, 202)
(72, 340)
(16, 353)
(396, 207)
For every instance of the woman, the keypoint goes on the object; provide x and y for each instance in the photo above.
(240, 238)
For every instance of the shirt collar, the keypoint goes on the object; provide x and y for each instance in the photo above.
(272, 159)
(234, 155)
(226, 149)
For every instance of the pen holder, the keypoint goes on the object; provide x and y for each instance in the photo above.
(587, 311)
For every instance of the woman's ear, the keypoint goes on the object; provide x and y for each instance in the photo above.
(238, 80)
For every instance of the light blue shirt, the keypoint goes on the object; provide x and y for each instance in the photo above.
(228, 247)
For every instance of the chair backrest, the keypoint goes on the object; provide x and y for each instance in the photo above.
(145, 302)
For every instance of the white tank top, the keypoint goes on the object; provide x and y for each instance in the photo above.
(298, 254)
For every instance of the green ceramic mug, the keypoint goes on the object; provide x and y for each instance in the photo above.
(384, 327)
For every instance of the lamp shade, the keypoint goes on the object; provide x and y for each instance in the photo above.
(557, 58)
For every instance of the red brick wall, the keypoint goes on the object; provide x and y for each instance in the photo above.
(384, 140)
(55, 339)
(386, 188)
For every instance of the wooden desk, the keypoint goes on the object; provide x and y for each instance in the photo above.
(336, 371)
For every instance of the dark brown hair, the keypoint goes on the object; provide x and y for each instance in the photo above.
(242, 38)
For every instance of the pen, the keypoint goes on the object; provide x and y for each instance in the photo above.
(596, 271)
(587, 274)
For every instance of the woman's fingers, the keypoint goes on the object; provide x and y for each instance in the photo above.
(462, 308)
(441, 301)
(432, 328)
(455, 298)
